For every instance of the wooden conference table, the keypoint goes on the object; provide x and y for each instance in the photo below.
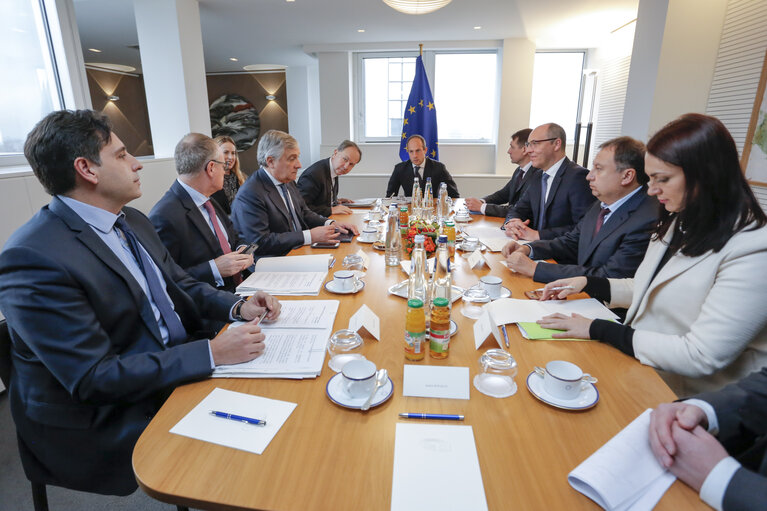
(329, 457)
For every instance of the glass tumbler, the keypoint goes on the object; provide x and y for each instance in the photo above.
(341, 348)
(497, 369)
(355, 263)
(473, 300)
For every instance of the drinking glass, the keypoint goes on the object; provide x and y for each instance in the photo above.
(473, 299)
(341, 348)
(497, 369)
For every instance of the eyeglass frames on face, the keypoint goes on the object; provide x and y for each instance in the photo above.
(534, 143)
(222, 163)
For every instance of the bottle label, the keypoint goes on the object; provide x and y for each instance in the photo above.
(415, 340)
(439, 340)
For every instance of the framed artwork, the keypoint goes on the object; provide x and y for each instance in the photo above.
(754, 159)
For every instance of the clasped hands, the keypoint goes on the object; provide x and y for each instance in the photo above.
(518, 258)
(519, 230)
(246, 342)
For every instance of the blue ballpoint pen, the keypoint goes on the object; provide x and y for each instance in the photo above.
(436, 416)
(238, 418)
(505, 335)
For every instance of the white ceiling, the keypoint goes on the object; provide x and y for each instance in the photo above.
(275, 31)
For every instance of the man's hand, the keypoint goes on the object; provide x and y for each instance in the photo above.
(697, 454)
(562, 288)
(346, 227)
(324, 233)
(344, 201)
(340, 210)
(237, 345)
(512, 246)
(520, 263)
(473, 204)
(661, 421)
(233, 262)
(519, 230)
(575, 326)
(253, 308)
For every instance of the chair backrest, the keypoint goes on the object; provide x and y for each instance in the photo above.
(5, 353)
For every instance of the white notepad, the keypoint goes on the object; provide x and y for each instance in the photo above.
(436, 467)
(200, 424)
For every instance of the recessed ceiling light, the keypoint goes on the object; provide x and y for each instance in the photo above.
(290, 0)
(111, 67)
(477, 27)
(264, 67)
(360, 30)
(234, 59)
(94, 50)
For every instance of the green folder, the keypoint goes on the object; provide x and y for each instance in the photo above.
(536, 332)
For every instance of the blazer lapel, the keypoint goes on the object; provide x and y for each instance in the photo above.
(557, 181)
(615, 221)
(195, 217)
(274, 195)
(296, 197)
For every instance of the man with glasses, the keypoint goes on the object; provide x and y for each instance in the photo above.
(558, 196)
(193, 227)
(497, 203)
(319, 183)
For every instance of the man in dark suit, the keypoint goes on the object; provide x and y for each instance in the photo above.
(557, 197)
(685, 437)
(192, 226)
(99, 314)
(269, 209)
(612, 237)
(419, 165)
(319, 183)
(497, 203)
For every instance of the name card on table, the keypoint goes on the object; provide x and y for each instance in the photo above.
(365, 258)
(485, 326)
(365, 317)
(475, 259)
(436, 381)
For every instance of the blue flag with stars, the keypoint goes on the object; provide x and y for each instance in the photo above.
(420, 117)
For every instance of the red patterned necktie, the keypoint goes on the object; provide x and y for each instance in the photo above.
(600, 220)
(225, 248)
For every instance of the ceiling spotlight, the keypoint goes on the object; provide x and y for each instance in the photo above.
(234, 59)
(113, 98)
(477, 27)
(272, 97)
(360, 30)
(416, 6)
(94, 50)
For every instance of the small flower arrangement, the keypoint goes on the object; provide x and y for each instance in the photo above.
(428, 229)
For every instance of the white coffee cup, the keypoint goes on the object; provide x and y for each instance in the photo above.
(470, 244)
(492, 285)
(344, 280)
(374, 215)
(564, 380)
(359, 378)
(369, 234)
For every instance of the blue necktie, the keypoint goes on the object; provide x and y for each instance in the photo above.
(176, 331)
(293, 217)
(542, 212)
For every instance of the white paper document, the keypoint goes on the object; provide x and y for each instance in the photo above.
(365, 317)
(436, 381)
(436, 468)
(200, 424)
(304, 314)
(294, 275)
(512, 310)
(492, 237)
(624, 474)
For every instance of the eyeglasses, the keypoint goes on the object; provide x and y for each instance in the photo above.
(222, 163)
(534, 143)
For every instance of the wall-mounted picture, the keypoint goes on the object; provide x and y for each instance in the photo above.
(234, 116)
(754, 159)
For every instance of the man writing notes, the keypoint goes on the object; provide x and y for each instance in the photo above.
(99, 314)
(193, 227)
(685, 438)
(419, 167)
(612, 237)
(557, 198)
(269, 209)
(497, 203)
(319, 183)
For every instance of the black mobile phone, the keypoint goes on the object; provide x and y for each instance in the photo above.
(345, 237)
(250, 249)
(325, 244)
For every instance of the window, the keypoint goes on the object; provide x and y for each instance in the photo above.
(32, 90)
(556, 85)
(464, 86)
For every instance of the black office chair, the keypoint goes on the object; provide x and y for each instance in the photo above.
(39, 492)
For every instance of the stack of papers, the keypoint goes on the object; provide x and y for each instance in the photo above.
(288, 276)
(624, 474)
(492, 237)
(295, 343)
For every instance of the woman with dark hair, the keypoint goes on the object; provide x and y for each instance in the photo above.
(697, 302)
(233, 178)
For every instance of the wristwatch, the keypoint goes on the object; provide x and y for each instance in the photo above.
(236, 311)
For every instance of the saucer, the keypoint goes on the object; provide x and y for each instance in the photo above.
(359, 239)
(336, 393)
(453, 328)
(586, 399)
(332, 287)
(379, 245)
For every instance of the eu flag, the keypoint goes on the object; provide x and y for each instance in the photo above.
(420, 117)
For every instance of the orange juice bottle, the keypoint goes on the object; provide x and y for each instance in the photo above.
(404, 221)
(439, 336)
(415, 330)
(450, 231)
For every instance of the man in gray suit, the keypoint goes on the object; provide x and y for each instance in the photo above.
(612, 237)
(693, 439)
(269, 209)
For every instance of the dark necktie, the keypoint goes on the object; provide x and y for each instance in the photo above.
(176, 331)
(291, 211)
(542, 212)
(418, 176)
(334, 198)
(222, 241)
(600, 220)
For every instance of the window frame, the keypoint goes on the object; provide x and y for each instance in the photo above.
(429, 62)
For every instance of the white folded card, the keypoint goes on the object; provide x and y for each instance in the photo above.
(436, 467)
(200, 424)
(436, 381)
(624, 474)
(365, 317)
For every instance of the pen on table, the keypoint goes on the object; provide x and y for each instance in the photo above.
(238, 418)
(555, 288)
(505, 335)
(435, 416)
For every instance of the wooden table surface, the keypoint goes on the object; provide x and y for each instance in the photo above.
(329, 457)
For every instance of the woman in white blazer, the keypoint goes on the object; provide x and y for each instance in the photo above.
(697, 306)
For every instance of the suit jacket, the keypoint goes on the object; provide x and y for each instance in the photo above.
(701, 320)
(89, 366)
(260, 215)
(317, 187)
(616, 251)
(188, 236)
(568, 200)
(403, 176)
(497, 203)
(741, 410)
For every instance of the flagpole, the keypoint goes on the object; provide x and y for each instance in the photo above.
(420, 49)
